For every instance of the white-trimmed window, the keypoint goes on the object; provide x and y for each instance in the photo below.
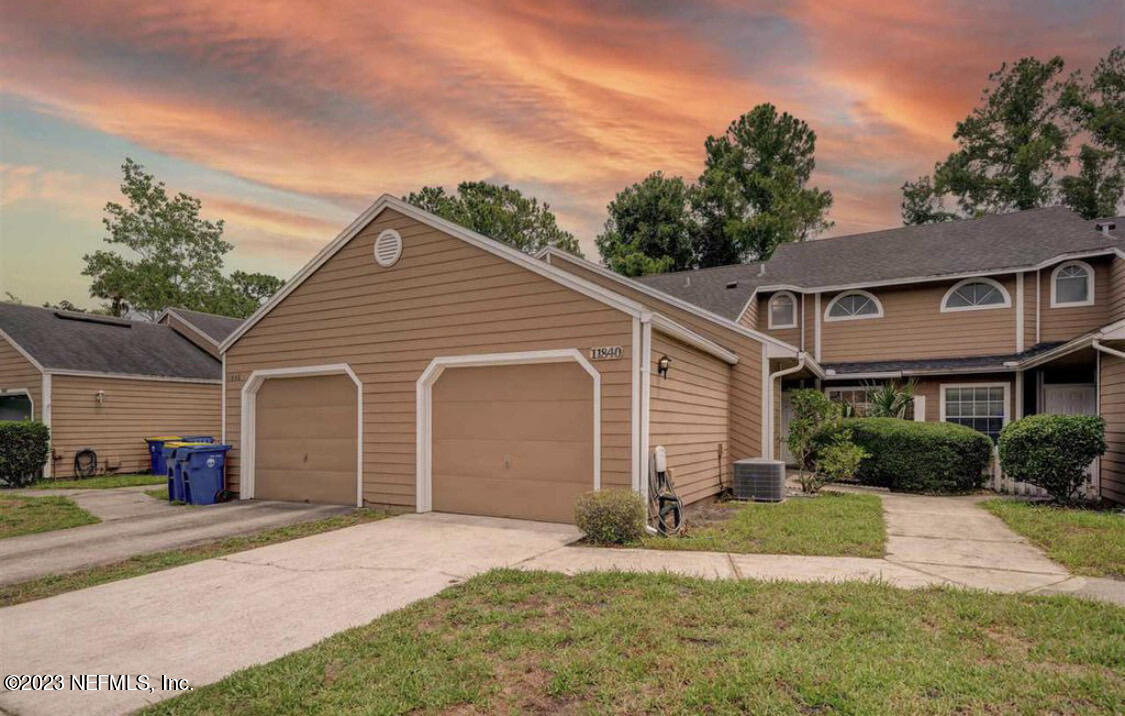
(976, 294)
(1072, 284)
(783, 310)
(853, 305)
(980, 406)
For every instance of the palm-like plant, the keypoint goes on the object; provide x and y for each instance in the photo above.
(890, 400)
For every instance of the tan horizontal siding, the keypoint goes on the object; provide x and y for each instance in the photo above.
(749, 317)
(444, 297)
(914, 327)
(792, 336)
(1030, 296)
(17, 372)
(132, 410)
(1064, 323)
(689, 414)
(746, 375)
(1112, 408)
(1116, 296)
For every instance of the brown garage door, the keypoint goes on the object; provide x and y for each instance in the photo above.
(513, 441)
(305, 440)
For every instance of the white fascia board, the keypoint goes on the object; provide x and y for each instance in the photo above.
(19, 349)
(189, 324)
(131, 376)
(670, 327)
(790, 350)
(492, 246)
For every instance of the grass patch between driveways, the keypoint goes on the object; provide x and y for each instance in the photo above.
(105, 482)
(832, 523)
(20, 515)
(1089, 542)
(51, 585)
(514, 642)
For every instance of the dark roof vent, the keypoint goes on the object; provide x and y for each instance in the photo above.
(1105, 226)
(94, 318)
(732, 284)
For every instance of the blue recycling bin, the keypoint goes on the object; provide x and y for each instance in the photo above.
(156, 452)
(173, 457)
(198, 439)
(203, 472)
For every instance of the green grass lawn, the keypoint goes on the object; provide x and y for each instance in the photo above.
(514, 642)
(21, 515)
(1086, 542)
(833, 523)
(51, 585)
(104, 482)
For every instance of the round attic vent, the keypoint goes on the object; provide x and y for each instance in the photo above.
(388, 248)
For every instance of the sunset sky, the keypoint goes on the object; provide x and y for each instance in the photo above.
(288, 118)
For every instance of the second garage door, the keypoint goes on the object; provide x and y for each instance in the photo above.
(305, 440)
(513, 441)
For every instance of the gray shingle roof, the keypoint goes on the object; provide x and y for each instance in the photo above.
(216, 327)
(991, 243)
(77, 341)
(723, 289)
(843, 370)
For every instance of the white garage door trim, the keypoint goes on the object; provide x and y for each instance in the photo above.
(424, 427)
(249, 419)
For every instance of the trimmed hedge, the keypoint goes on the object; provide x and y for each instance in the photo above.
(1052, 451)
(610, 516)
(907, 456)
(24, 446)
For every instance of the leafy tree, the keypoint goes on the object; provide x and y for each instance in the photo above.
(1012, 143)
(1099, 185)
(752, 195)
(649, 229)
(177, 256)
(500, 212)
(243, 293)
(922, 204)
(821, 441)
(1098, 108)
(1009, 148)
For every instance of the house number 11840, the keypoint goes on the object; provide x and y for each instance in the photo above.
(606, 353)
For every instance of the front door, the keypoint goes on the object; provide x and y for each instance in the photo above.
(1073, 399)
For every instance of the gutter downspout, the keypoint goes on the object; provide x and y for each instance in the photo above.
(768, 448)
(1106, 349)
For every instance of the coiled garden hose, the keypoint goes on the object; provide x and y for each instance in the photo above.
(664, 502)
(85, 463)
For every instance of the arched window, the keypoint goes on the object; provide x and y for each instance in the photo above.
(975, 294)
(783, 310)
(1072, 284)
(853, 305)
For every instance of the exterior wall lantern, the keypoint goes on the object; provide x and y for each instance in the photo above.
(662, 366)
(99, 397)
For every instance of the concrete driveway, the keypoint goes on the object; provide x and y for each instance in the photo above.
(202, 621)
(134, 523)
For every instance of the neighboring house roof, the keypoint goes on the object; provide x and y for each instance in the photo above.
(991, 244)
(67, 341)
(722, 289)
(215, 327)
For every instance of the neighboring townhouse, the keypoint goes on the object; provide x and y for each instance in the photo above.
(993, 319)
(103, 384)
(206, 330)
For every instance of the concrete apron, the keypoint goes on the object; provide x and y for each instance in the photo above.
(203, 621)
